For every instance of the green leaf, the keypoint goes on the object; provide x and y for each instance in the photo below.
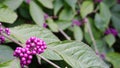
(116, 21)
(86, 8)
(7, 15)
(57, 6)
(105, 12)
(71, 3)
(50, 53)
(109, 3)
(103, 17)
(116, 9)
(47, 3)
(52, 25)
(24, 32)
(77, 54)
(1, 1)
(6, 53)
(102, 47)
(114, 58)
(63, 24)
(11, 64)
(96, 33)
(78, 35)
(13, 4)
(99, 23)
(66, 14)
(116, 17)
(24, 12)
(37, 13)
(110, 40)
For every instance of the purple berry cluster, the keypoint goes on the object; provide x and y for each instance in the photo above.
(24, 55)
(36, 45)
(112, 31)
(3, 30)
(78, 22)
(33, 46)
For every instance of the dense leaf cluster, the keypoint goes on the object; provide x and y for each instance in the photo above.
(83, 23)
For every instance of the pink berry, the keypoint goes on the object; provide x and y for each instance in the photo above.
(23, 59)
(28, 61)
(25, 55)
(21, 54)
(30, 57)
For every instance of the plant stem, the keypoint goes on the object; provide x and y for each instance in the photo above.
(97, 8)
(56, 66)
(10, 38)
(15, 41)
(92, 37)
(64, 34)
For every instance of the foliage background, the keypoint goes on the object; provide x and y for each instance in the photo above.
(82, 20)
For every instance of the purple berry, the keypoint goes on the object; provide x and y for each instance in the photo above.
(45, 25)
(45, 47)
(28, 52)
(30, 57)
(102, 56)
(25, 55)
(28, 62)
(112, 31)
(1, 29)
(2, 39)
(24, 62)
(76, 22)
(21, 55)
(46, 16)
(23, 59)
(28, 1)
(14, 54)
(32, 38)
(7, 31)
(34, 52)
(32, 44)
(23, 50)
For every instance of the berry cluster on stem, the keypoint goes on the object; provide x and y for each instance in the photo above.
(3, 30)
(33, 46)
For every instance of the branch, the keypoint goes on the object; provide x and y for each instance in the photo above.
(10, 38)
(15, 41)
(91, 35)
(53, 64)
(64, 34)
